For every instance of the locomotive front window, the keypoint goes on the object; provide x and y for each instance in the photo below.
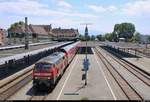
(43, 66)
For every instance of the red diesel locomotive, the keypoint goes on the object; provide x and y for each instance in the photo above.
(49, 69)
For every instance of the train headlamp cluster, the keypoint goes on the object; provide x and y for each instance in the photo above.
(42, 77)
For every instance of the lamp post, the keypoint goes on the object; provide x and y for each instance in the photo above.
(26, 34)
(86, 61)
(86, 34)
(86, 37)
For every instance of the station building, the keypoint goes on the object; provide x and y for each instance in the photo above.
(36, 33)
(64, 34)
(3, 36)
(41, 33)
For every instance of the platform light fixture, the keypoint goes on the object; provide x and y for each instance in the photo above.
(26, 34)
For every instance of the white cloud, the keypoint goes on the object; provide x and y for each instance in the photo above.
(112, 8)
(132, 8)
(83, 15)
(64, 4)
(137, 7)
(99, 8)
(34, 8)
(39, 13)
(65, 22)
(23, 7)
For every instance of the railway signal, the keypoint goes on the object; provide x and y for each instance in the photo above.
(86, 60)
(86, 64)
(86, 33)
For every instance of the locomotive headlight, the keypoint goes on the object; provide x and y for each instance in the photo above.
(35, 77)
(48, 78)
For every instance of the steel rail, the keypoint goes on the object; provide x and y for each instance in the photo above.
(132, 69)
(128, 90)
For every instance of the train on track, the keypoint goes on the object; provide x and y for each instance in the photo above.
(12, 64)
(47, 70)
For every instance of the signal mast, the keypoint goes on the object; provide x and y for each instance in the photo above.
(86, 61)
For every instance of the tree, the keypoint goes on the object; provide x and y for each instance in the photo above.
(114, 37)
(16, 24)
(92, 38)
(149, 38)
(81, 37)
(87, 38)
(109, 36)
(136, 37)
(124, 30)
(21, 23)
(99, 37)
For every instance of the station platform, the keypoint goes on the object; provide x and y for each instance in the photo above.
(99, 87)
(71, 86)
(11, 52)
(141, 62)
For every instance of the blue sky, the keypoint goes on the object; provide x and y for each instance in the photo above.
(103, 14)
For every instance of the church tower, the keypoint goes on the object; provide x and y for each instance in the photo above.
(86, 31)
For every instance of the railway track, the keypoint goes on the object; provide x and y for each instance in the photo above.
(21, 46)
(132, 69)
(128, 90)
(120, 56)
(10, 52)
(10, 87)
(38, 96)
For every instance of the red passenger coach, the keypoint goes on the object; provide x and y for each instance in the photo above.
(70, 50)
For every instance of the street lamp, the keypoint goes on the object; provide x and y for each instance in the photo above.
(86, 61)
(26, 34)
